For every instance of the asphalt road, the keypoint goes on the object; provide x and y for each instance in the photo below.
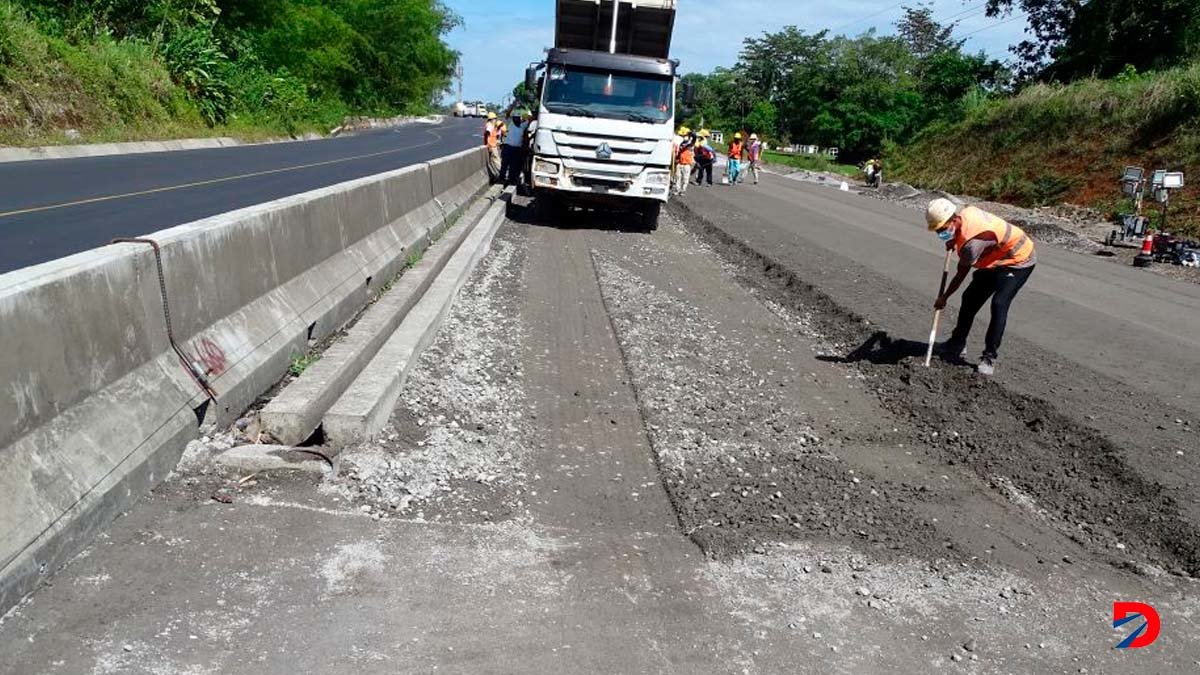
(53, 208)
(1140, 329)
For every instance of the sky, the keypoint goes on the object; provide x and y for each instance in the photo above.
(499, 38)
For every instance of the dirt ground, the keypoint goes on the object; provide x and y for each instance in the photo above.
(690, 450)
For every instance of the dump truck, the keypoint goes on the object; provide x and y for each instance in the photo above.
(606, 107)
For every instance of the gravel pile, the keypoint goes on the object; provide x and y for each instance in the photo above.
(457, 440)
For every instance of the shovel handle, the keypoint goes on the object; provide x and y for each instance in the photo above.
(937, 314)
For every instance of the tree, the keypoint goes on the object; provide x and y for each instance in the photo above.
(1078, 38)
(925, 36)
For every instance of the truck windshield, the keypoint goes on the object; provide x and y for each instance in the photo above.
(598, 93)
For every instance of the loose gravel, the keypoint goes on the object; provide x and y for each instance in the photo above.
(457, 441)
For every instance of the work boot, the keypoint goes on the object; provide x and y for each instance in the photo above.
(950, 351)
(986, 366)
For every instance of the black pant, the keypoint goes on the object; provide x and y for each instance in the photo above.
(704, 170)
(512, 164)
(1001, 285)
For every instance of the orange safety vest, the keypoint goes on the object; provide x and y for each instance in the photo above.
(1013, 246)
(735, 150)
(491, 134)
(687, 155)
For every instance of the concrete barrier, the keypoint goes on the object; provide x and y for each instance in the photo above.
(95, 405)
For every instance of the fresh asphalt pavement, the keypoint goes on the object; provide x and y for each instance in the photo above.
(53, 208)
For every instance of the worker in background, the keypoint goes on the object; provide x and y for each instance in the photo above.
(734, 170)
(874, 171)
(512, 161)
(705, 158)
(685, 159)
(1003, 258)
(754, 157)
(492, 129)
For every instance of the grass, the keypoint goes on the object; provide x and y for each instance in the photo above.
(301, 362)
(811, 163)
(1066, 143)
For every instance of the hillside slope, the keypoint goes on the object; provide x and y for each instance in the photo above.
(108, 70)
(1066, 143)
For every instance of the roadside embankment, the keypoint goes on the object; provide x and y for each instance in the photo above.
(115, 357)
(1054, 144)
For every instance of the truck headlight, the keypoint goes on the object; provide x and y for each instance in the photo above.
(542, 166)
(658, 178)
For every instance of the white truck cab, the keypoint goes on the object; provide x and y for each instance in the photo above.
(606, 119)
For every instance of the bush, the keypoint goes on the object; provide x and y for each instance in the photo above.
(199, 66)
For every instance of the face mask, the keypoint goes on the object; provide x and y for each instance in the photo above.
(946, 234)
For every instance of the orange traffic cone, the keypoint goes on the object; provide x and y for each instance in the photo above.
(1146, 257)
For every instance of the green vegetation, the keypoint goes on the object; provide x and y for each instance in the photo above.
(1099, 85)
(301, 362)
(1055, 142)
(811, 163)
(1100, 38)
(856, 94)
(128, 69)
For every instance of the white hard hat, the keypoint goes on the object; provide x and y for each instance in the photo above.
(940, 210)
(754, 137)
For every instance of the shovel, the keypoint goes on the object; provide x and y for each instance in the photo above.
(937, 314)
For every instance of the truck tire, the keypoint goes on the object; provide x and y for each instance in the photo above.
(650, 215)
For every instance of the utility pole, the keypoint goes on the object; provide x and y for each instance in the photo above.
(458, 72)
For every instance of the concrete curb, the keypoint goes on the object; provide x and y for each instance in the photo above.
(364, 409)
(293, 414)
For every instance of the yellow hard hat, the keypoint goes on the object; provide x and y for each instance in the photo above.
(737, 136)
(684, 131)
(491, 115)
(704, 133)
(940, 211)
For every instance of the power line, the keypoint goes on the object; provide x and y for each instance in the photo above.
(995, 25)
(869, 16)
(969, 12)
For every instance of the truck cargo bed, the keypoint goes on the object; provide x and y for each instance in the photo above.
(643, 27)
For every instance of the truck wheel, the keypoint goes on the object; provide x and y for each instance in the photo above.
(650, 216)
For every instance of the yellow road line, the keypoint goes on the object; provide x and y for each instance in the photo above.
(212, 181)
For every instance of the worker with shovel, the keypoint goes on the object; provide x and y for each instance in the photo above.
(1003, 257)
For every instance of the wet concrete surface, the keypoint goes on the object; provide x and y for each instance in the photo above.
(647, 452)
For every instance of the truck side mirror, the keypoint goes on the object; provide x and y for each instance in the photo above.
(531, 80)
(689, 94)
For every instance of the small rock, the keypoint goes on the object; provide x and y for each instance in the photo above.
(955, 658)
(969, 645)
(807, 569)
(365, 508)
(863, 591)
(127, 648)
(826, 569)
